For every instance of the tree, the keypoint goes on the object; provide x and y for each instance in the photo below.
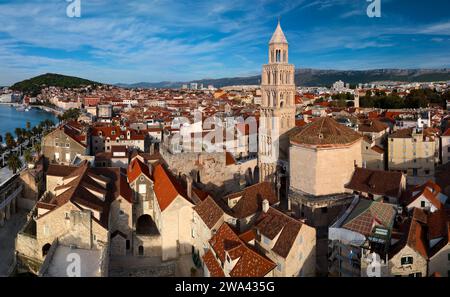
(37, 148)
(28, 156)
(70, 115)
(18, 132)
(14, 163)
(35, 131)
(9, 139)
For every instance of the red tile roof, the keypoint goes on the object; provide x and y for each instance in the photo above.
(136, 169)
(378, 182)
(324, 132)
(275, 222)
(213, 266)
(166, 187)
(250, 263)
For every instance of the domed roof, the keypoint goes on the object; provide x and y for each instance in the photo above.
(324, 131)
(278, 35)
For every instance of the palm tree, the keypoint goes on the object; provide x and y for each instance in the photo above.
(28, 156)
(14, 163)
(28, 125)
(37, 148)
(18, 132)
(9, 139)
(35, 131)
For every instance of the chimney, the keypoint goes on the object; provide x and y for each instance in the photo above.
(265, 205)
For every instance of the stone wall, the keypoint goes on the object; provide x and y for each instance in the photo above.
(210, 171)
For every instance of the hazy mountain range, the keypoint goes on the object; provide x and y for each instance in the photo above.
(303, 77)
(315, 77)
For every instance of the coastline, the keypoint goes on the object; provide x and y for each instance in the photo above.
(48, 109)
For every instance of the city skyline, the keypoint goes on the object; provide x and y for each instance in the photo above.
(115, 42)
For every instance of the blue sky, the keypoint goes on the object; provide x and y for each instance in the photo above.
(157, 40)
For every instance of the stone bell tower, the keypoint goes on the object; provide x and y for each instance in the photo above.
(277, 107)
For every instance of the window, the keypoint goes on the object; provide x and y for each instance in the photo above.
(427, 172)
(266, 240)
(228, 259)
(324, 210)
(422, 203)
(68, 145)
(193, 233)
(94, 237)
(300, 239)
(417, 274)
(142, 189)
(46, 230)
(57, 156)
(66, 216)
(279, 266)
(448, 256)
(121, 213)
(300, 256)
(406, 260)
(68, 157)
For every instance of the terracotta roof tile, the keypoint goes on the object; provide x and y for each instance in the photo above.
(251, 200)
(250, 263)
(378, 182)
(273, 222)
(209, 212)
(166, 187)
(324, 131)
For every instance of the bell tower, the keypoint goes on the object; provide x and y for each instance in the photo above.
(278, 106)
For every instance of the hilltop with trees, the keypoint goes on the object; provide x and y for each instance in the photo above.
(33, 86)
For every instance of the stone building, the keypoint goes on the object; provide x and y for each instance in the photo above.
(379, 185)
(325, 155)
(445, 139)
(63, 144)
(208, 217)
(33, 181)
(243, 208)
(415, 152)
(288, 242)
(104, 138)
(10, 193)
(277, 108)
(373, 155)
(77, 210)
(409, 256)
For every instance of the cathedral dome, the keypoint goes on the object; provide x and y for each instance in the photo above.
(324, 131)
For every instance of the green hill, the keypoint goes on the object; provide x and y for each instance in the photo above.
(34, 85)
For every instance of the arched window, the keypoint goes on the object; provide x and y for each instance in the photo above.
(271, 56)
(284, 56)
(278, 56)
